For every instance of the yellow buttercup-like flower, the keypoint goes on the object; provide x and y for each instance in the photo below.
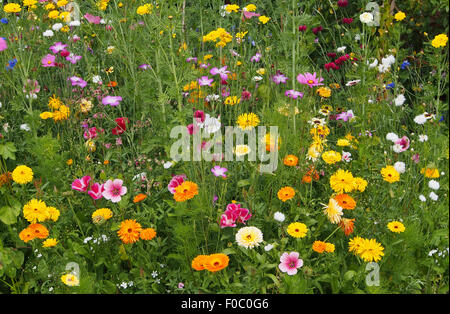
(439, 41)
(390, 174)
(396, 226)
(12, 8)
(399, 16)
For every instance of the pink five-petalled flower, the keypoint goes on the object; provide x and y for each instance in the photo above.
(3, 44)
(57, 47)
(218, 171)
(222, 72)
(293, 94)
(112, 100)
(204, 80)
(290, 262)
(77, 81)
(81, 184)
(114, 190)
(309, 79)
(48, 61)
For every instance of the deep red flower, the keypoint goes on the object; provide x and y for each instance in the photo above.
(64, 53)
(342, 3)
(347, 20)
(302, 28)
(317, 29)
(331, 54)
(121, 126)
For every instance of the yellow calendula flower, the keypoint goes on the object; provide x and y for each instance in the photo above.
(399, 16)
(263, 19)
(46, 115)
(331, 157)
(50, 242)
(370, 250)
(232, 8)
(70, 280)
(324, 92)
(439, 41)
(396, 226)
(54, 14)
(250, 8)
(22, 174)
(261, 71)
(101, 215)
(247, 121)
(390, 174)
(430, 172)
(342, 181)
(232, 100)
(50, 6)
(12, 8)
(35, 210)
(360, 184)
(343, 142)
(53, 213)
(297, 230)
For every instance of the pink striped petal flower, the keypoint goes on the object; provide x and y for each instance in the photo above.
(96, 191)
(81, 184)
(176, 181)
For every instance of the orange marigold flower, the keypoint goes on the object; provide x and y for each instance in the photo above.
(345, 201)
(216, 262)
(290, 160)
(286, 193)
(26, 235)
(347, 225)
(198, 263)
(185, 191)
(129, 231)
(139, 198)
(38, 230)
(148, 234)
(306, 179)
(112, 84)
(319, 246)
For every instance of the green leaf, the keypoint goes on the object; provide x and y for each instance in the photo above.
(242, 183)
(7, 150)
(8, 215)
(274, 279)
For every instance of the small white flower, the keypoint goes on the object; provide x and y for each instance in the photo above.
(341, 49)
(392, 137)
(124, 285)
(399, 100)
(210, 98)
(257, 78)
(357, 37)
(397, 148)
(432, 252)
(278, 216)
(268, 247)
(400, 167)
(48, 33)
(433, 196)
(74, 23)
(373, 64)
(167, 164)
(346, 156)
(96, 79)
(154, 274)
(102, 21)
(366, 18)
(423, 138)
(50, 289)
(420, 119)
(141, 176)
(87, 239)
(422, 198)
(56, 27)
(25, 127)
(433, 184)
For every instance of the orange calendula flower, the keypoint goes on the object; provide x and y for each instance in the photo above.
(185, 191)
(216, 262)
(139, 198)
(129, 231)
(198, 263)
(38, 230)
(147, 234)
(286, 193)
(26, 235)
(347, 225)
(345, 201)
(319, 246)
(430, 172)
(290, 160)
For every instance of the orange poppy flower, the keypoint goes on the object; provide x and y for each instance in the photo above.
(112, 84)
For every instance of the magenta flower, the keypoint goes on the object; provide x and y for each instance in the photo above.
(3, 44)
(81, 184)
(90, 133)
(92, 19)
(112, 100)
(77, 81)
(204, 80)
(290, 262)
(96, 191)
(191, 59)
(309, 79)
(234, 213)
(48, 61)
(227, 221)
(192, 128)
(293, 94)
(256, 57)
(144, 66)
(249, 15)
(218, 171)
(403, 143)
(73, 58)
(199, 116)
(345, 115)
(222, 72)
(176, 181)
(57, 47)
(113, 190)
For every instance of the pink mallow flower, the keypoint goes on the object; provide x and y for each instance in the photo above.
(293, 94)
(176, 181)
(3, 44)
(114, 190)
(96, 191)
(401, 145)
(222, 72)
(290, 262)
(81, 184)
(309, 79)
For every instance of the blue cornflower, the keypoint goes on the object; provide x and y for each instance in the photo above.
(390, 85)
(4, 20)
(404, 65)
(11, 64)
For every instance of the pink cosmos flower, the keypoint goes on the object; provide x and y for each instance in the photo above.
(57, 47)
(345, 115)
(256, 57)
(204, 80)
(279, 78)
(48, 61)
(73, 58)
(290, 262)
(113, 190)
(112, 100)
(293, 94)
(309, 79)
(222, 72)
(3, 44)
(176, 181)
(96, 191)
(77, 81)
(92, 19)
(81, 184)
(218, 171)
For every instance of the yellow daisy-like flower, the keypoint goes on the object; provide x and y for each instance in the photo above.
(430, 172)
(101, 215)
(390, 174)
(399, 16)
(54, 14)
(12, 8)
(333, 211)
(232, 100)
(250, 8)
(343, 142)
(396, 226)
(370, 250)
(232, 8)
(242, 150)
(331, 157)
(249, 237)
(53, 213)
(342, 181)
(297, 230)
(35, 210)
(247, 121)
(329, 247)
(324, 92)
(22, 174)
(263, 19)
(50, 242)
(70, 280)
(439, 41)
(354, 244)
(360, 184)
(46, 115)
(144, 9)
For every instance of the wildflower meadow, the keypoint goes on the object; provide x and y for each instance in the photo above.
(224, 147)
